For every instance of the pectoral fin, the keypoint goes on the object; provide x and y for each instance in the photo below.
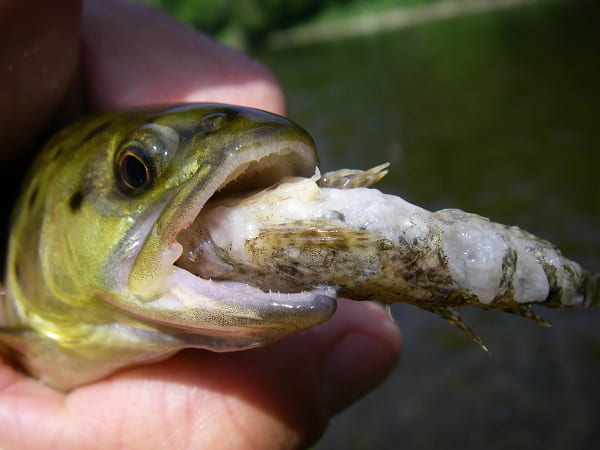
(16, 341)
(527, 312)
(453, 317)
(18, 338)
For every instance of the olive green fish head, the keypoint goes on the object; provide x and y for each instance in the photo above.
(94, 236)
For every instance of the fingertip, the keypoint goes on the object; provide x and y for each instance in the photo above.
(363, 355)
(270, 397)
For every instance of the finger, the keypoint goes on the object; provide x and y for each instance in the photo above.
(38, 55)
(135, 55)
(275, 397)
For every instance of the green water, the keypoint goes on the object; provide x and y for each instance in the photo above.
(498, 114)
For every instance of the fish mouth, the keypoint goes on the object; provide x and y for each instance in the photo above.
(235, 315)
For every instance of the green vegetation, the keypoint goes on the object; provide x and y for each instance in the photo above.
(247, 22)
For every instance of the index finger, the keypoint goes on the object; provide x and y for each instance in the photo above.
(134, 55)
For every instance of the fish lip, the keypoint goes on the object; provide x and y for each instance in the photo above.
(235, 310)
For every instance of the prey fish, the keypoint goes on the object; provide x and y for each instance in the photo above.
(331, 230)
(140, 233)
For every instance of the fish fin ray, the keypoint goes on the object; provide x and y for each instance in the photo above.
(527, 312)
(14, 341)
(349, 178)
(451, 315)
(18, 338)
(388, 310)
(318, 233)
(593, 290)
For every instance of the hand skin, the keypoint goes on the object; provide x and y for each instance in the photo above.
(59, 57)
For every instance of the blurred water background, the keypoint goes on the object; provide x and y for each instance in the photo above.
(493, 112)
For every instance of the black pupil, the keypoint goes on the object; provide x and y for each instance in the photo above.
(134, 171)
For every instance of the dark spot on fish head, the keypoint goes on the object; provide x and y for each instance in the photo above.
(76, 200)
(95, 131)
(18, 271)
(56, 154)
(33, 196)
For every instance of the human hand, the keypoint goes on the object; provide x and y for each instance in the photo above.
(117, 55)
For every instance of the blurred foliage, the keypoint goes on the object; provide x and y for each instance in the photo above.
(247, 22)
(251, 19)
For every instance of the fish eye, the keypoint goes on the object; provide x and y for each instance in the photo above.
(142, 157)
(133, 170)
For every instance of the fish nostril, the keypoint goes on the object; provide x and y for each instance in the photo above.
(215, 121)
